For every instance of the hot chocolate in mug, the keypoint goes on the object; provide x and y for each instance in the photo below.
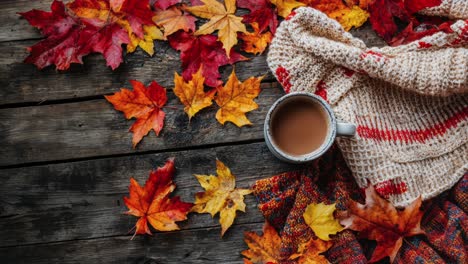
(301, 126)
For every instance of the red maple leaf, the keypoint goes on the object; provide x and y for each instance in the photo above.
(261, 12)
(206, 50)
(411, 33)
(62, 32)
(384, 12)
(163, 4)
(68, 39)
(151, 203)
(144, 104)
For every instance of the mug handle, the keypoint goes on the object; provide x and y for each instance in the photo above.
(345, 129)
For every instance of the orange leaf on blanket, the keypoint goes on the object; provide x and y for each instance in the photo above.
(144, 104)
(152, 204)
(191, 93)
(379, 220)
(220, 196)
(264, 248)
(235, 99)
(256, 42)
(309, 252)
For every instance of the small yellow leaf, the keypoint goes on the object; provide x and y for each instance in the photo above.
(220, 196)
(350, 17)
(285, 7)
(191, 93)
(320, 218)
(235, 99)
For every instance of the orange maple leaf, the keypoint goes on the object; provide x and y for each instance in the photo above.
(235, 99)
(256, 42)
(285, 7)
(174, 19)
(151, 203)
(144, 104)
(191, 93)
(309, 252)
(262, 249)
(379, 220)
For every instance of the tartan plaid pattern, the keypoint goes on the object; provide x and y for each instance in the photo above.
(283, 199)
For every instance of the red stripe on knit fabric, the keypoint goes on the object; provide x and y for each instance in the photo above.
(413, 135)
(387, 188)
(321, 90)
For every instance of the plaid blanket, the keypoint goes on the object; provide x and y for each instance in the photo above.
(283, 199)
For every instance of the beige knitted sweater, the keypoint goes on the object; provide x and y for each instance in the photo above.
(409, 103)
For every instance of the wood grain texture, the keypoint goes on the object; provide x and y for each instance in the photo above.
(93, 128)
(83, 200)
(185, 247)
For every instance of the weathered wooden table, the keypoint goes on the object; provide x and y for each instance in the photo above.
(66, 157)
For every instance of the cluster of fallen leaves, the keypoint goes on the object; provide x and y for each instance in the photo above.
(81, 27)
(377, 219)
(152, 204)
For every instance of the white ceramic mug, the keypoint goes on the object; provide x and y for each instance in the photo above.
(334, 128)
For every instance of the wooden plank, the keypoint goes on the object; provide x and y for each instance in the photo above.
(12, 26)
(82, 200)
(93, 128)
(190, 246)
(20, 82)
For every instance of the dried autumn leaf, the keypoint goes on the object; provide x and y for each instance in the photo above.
(262, 12)
(222, 18)
(319, 217)
(163, 4)
(384, 12)
(144, 104)
(379, 220)
(309, 252)
(135, 16)
(173, 20)
(285, 7)
(205, 50)
(151, 203)
(235, 99)
(256, 42)
(350, 17)
(262, 249)
(191, 93)
(220, 196)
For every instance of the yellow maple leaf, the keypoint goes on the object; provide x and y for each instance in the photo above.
(256, 42)
(220, 196)
(222, 18)
(308, 253)
(285, 7)
(151, 33)
(191, 93)
(262, 249)
(319, 217)
(350, 17)
(173, 19)
(235, 99)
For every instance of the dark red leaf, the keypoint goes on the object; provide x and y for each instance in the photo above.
(262, 12)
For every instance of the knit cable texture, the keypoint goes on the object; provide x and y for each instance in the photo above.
(409, 103)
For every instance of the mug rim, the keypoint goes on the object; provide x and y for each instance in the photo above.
(278, 152)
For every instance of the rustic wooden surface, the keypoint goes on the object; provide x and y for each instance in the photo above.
(66, 157)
